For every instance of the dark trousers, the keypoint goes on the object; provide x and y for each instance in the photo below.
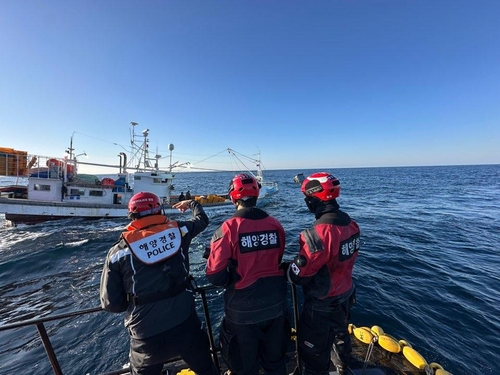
(187, 340)
(257, 345)
(321, 326)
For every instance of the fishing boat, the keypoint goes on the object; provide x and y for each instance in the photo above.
(267, 188)
(374, 351)
(55, 190)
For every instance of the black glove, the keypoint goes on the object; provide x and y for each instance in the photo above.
(300, 260)
(284, 266)
(206, 253)
(232, 275)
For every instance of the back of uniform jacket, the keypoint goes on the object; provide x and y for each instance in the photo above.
(124, 276)
(245, 254)
(326, 257)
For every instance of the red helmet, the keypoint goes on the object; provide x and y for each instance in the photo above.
(321, 185)
(143, 204)
(242, 186)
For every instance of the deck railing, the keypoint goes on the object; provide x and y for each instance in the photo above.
(51, 355)
(201, 291)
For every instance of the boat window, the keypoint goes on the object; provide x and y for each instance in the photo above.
(157, 180)
(41, 187)
(96, 193)
(77, 192)
(137, 177)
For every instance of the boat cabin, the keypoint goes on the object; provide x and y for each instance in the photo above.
(55, 190)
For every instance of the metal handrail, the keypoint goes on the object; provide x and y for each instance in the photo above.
(39, 323)
(49, 318)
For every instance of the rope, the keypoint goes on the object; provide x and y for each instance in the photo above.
(369, 352)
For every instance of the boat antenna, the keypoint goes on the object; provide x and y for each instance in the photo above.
(70, 148)
(145, 151)
(170, 148)
(259, 168)
(132, 136)
(135, 149)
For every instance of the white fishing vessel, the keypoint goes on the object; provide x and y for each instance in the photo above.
(55, 189)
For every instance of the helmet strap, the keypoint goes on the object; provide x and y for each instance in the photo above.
(325, 207)
(318, 207)
(247, 202)
(138, 215)
(133, 215)
(311, 203)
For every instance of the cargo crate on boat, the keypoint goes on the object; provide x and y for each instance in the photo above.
(13, 162)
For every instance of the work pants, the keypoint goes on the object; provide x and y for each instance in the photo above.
(247, 347)
(187, 340)
(321, 326)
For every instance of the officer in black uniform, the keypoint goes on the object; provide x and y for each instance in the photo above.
(323, 267)
(146, 274)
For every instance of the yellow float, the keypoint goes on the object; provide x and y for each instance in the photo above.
(387, 342)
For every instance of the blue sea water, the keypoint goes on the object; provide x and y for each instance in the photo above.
(428, 270)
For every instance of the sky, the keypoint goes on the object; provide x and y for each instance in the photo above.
(308, 84)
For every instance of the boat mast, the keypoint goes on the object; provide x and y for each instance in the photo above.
(145, 149)
(133, 146)
(139, 153)
(70, 148)
(259, 169)
(170, 148)
(71, 159)
(257, 162)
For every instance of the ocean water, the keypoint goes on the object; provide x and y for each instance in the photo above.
(428, 270)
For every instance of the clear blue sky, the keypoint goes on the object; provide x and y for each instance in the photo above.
(311, 84)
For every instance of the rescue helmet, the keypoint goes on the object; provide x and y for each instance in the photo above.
(321, 185)
(144, 204)
(243, 186)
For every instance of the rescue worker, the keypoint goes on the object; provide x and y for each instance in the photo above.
(323, 266)
(146, 274)
(245, 256)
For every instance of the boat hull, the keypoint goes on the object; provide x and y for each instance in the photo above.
(28, 211)
(25, 211)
